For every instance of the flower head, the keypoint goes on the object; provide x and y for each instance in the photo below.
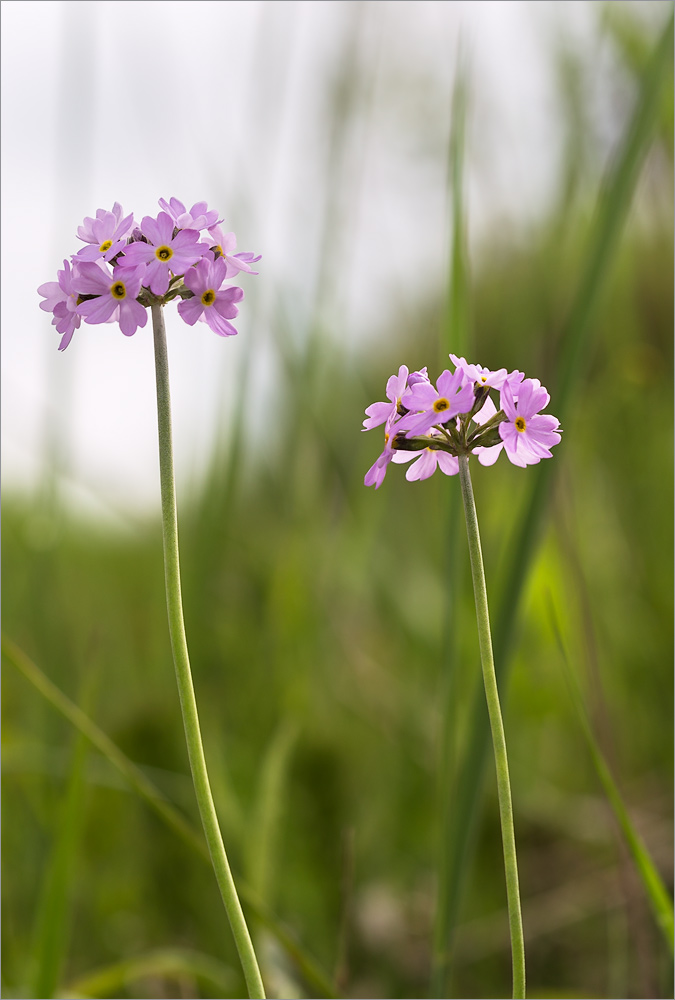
(378, 413)
(209, 302)
(432, 406)
(106, 234)
(61, 299)
(484, 376)
(123, 269)
(424, 463)
(225, 244)
(114, 296)
(164, 253)
(199, 217)
(528, 435)
(378, 470)
(432, 426)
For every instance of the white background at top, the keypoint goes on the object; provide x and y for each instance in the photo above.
(230, 102)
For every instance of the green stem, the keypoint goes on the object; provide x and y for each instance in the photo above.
(497, 727)
(183, 675)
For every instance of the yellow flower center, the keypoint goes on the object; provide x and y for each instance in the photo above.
(164, 253)
(105, 246)
(209, 297)
(520, 424)
(118, 290)
(441, 404)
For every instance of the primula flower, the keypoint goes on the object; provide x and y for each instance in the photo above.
(115, 296)
(426, 462)
(527, 434)
(106, 234)
(378, 413)
(378, 470)
(164, 253)
(61, 299)
(226, 244)
(454, 395)
(199, 217)
(422, 424)
(208, 303)
(494, 380)
(150, 259)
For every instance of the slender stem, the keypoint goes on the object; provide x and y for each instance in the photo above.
(183, 675)
(497, 727)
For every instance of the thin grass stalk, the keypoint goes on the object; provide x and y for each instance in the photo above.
(614, 202)
(657, 894)
(497, 730)
(115, 979)
(53, 920)
(181, 659)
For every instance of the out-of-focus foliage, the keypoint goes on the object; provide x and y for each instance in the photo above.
(314, 611)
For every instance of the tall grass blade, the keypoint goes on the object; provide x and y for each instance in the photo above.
(659, 899)
(52, 925)
(114, 979)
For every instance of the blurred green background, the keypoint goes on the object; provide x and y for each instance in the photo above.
(316, 611)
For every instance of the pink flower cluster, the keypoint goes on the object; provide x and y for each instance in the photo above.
(124, 268)
(434, 425)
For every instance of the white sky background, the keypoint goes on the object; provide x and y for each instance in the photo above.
(227, 102)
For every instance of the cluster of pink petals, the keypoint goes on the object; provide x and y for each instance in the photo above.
(454, 412)
(215, 308)
(226, 244)
(106, 234)
(178, 253)
(163, 253)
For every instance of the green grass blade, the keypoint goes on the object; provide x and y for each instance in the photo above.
(262, 855)
(614, 202)
(659, 899)
(52, 924)
(307, 965)
(113, 979)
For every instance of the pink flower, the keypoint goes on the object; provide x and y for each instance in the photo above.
(199, 217)
(226, 244)
(476, 373)
(208, 303)
(61, 299)
(378, 413)
(115, 296)
(426, 462)
(106, 234)
(378, 470)
(164, 253)
(527, 434)
(453, 396)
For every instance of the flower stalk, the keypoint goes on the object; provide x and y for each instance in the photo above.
(497, 728)
(183, 674)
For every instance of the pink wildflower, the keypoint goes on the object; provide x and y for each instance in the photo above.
(528, 435)
(115, 296)
(164, 253)
(210, 303)
(453, 396)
